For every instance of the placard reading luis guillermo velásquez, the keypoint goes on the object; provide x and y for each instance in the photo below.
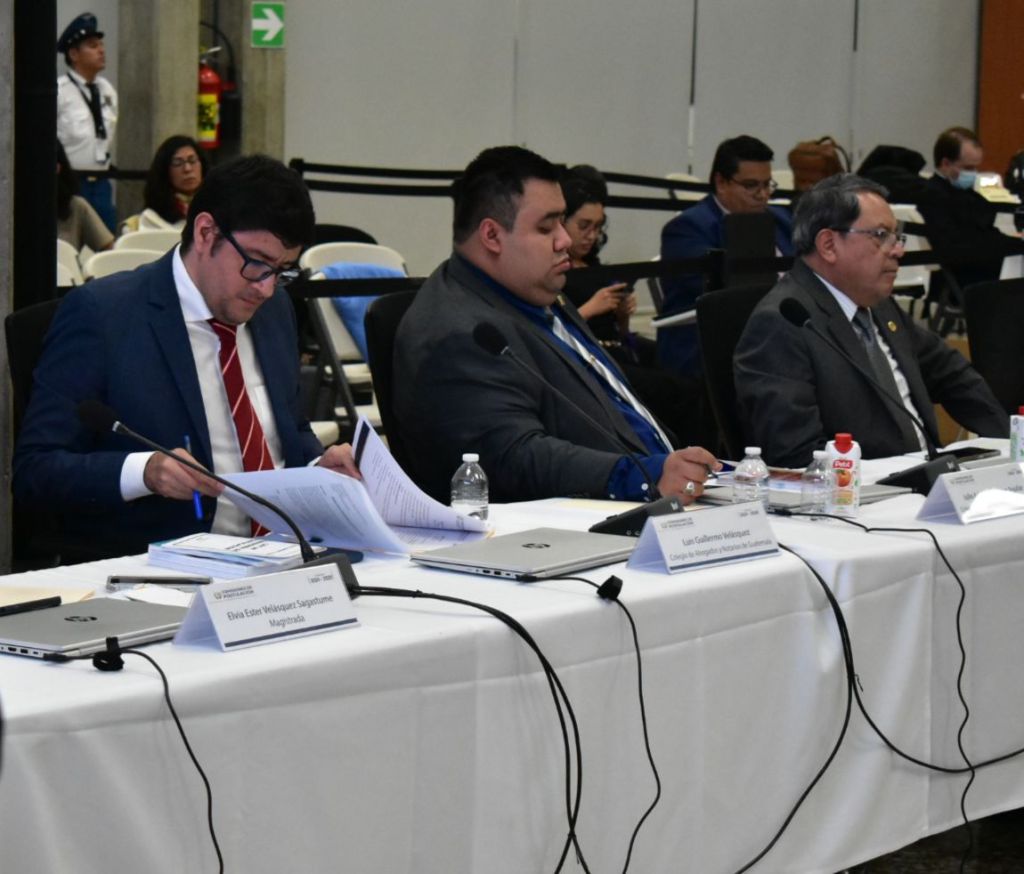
(687, 541)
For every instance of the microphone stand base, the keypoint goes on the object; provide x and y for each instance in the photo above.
(921, 477)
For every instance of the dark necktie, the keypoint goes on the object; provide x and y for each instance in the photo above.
(251, 440)
(883, 373)
(97, 111)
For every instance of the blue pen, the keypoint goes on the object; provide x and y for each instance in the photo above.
(197, 501)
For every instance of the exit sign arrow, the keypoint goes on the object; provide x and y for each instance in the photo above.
(267, 23)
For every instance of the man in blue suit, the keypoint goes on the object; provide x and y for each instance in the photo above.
(144, 343)
(741, 181)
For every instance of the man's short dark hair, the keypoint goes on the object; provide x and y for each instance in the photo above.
(254, 193)
(491, 187)
(832, 203)
(950, 143)
(730, 152)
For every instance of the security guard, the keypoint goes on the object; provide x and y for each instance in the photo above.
(87, 112)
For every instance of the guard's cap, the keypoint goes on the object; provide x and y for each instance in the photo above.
(81, 28)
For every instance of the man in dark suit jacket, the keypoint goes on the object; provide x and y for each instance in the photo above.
(142, 343)
(959, 222)
(741, 182)
(452, 396)
(794, 392)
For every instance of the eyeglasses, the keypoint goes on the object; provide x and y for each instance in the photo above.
(752, 186)
(191, 161)
(255, 270)
(885, 238)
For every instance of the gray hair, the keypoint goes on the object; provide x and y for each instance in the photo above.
(832, 203)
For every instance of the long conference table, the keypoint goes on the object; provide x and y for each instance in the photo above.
(425, 739)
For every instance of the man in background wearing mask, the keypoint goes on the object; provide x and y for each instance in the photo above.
(959, 222)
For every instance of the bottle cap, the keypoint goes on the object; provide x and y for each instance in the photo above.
(844, 442)
(470, 457)
(752, 450)
(1020, 411)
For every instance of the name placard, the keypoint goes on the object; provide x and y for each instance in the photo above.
(256, 610)
(976, 495)
(687, 541)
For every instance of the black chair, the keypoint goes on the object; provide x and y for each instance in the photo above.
(382, 320)
(25, 330)
(34, 538)
(995, 330)
(326, 233)
(721, 317)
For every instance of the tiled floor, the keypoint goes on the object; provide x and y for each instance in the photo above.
(998, 849)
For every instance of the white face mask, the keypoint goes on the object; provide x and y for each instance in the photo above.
(966, 179)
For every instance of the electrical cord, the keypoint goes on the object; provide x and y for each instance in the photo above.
(557, 691)
(609, 591)
(110, 660)
(970, 768)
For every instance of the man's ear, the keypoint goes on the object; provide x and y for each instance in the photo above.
(491, 235)
(204, 232)
(825, 245)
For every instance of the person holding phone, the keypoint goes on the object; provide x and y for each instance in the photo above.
(608, 309)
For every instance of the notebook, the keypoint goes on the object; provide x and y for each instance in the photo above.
(537, 554)
(82, 628)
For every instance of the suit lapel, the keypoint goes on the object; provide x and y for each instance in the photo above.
(888, 324)
(584, 376)
(171, 335)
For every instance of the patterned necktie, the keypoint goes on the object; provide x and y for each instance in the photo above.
(883, 373)
(251, 441)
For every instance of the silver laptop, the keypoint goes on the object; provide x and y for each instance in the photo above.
(82, 628)
(537, 554)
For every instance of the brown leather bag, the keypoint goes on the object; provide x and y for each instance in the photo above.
(814, 160)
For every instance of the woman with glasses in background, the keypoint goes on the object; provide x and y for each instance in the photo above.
(174, 176)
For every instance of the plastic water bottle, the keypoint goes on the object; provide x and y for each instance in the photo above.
(1017, 436)
(750, 480)
(844, 472)
(469, 487)
(815, 485)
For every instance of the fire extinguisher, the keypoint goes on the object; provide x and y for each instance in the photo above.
(210, 89)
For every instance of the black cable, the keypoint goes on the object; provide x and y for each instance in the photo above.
(609, 591)
(850, 691)
(554, 683)
(110, 660)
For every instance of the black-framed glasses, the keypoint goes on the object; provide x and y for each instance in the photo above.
(885, 238)
(752, 186)
(255, 270)
(190, 161)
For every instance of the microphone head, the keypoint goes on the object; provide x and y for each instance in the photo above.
(794, 312)
(96, 416)
(489, 338)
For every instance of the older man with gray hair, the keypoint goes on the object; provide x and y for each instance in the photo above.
(795, 391)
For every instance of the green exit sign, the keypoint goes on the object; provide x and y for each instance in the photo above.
(268, 25)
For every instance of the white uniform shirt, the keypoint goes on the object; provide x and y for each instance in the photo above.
(75, 128)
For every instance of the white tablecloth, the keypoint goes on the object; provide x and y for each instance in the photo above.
(426, 739)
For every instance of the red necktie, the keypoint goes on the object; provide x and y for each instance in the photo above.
(255, 452)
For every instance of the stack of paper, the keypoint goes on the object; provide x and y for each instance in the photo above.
(383, 512)
(220, 555)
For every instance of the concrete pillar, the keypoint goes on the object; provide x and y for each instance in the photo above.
(158, 71)
(6, 266)
(260, 78)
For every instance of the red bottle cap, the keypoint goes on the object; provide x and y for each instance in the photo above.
(844, 442)
(1020, 411)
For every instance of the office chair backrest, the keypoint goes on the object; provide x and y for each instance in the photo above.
(328, 233)
(25, 330)
(721, 317)
(995, 330)
(382, 321)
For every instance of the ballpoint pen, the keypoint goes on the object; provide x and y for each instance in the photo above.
(197, 501)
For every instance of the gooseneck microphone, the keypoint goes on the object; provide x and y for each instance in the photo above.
(490, 338)
(102, 419)
(919, 477)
